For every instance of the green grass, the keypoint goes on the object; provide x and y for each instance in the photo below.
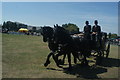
(23, 56)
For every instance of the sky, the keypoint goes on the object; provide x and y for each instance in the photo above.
(60, 0)
(50, 13)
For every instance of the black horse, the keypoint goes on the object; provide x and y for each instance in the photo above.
(47, 33)
(73, 44)
(48, 36)
(59, 36)
(76, 44)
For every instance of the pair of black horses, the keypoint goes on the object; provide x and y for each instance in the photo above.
(60, 42)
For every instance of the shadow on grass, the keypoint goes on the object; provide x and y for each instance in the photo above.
(90, 72)
(87, 72)
(54, 69)
(110, 62)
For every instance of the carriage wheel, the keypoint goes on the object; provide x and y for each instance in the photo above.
(108, 50)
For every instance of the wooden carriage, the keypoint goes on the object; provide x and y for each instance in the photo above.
(105, 48)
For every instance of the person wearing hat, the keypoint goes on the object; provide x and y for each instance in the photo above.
(87, 31)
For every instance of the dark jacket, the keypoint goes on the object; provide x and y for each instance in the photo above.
(96, 29)
(87, 29)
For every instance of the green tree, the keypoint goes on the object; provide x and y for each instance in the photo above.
(72, 28)
(4, 25)
(34, 29)
(13, 26)
(114, 35)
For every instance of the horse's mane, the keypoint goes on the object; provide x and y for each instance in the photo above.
(62, 30)
(62, 35)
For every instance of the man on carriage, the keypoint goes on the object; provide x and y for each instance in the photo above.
(96, 32)
(87, 31)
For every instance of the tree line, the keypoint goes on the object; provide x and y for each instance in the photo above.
(12, 26)
(15, 26)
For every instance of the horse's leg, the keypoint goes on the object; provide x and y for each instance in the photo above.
(56, 59)
(63, 60)
(84, 62)
(75, 57)
(78, 58)
(99, 58)
(69, 60)
(48, 57)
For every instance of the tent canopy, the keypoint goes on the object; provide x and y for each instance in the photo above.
(23, 30)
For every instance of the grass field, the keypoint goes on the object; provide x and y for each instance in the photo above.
(23, 56)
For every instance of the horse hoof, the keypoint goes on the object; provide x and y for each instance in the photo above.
(86, 64)
(70, 68)
(82, 63)
(98, 63)
(75, 62)
(61, 62)
(60, 66)
(46, 64)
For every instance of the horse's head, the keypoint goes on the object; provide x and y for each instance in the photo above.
(60, 34)
(60, 30)
(47, 33)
